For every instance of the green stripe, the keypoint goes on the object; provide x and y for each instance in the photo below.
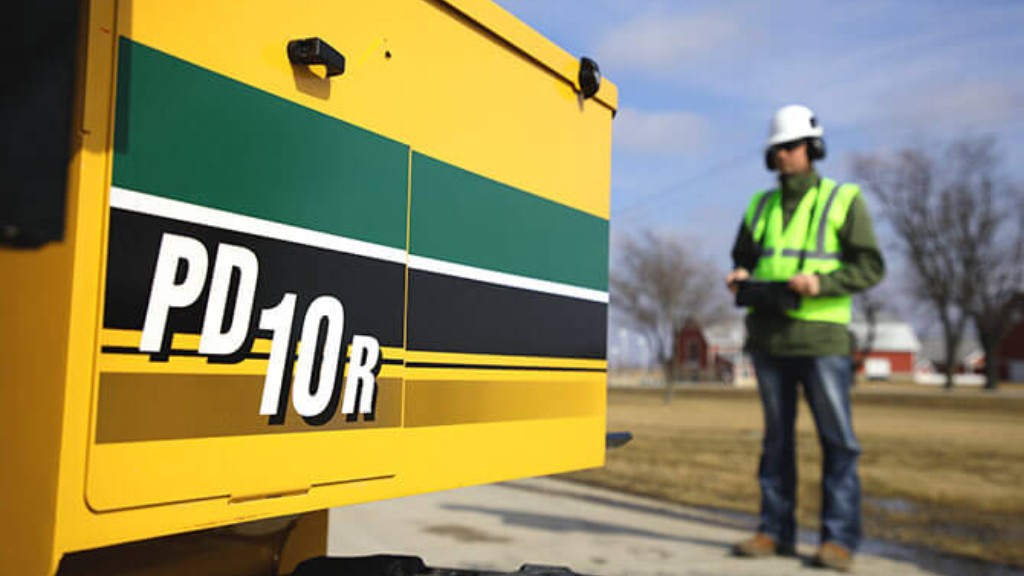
(186, 133)
(461, 217)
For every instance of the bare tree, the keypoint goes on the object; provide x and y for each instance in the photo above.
(658, 283)
(959, 233)
(913, 204)
(989, 242)
(870, 305)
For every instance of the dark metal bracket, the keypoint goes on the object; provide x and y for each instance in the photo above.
(310, 51)
(589, 77)
(617, 439)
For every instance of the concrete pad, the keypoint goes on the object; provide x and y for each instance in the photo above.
(593, 531)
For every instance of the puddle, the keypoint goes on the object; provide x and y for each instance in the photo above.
(465, 534)
(898, 505)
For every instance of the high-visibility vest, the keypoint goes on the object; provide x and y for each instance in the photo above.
(810, 240)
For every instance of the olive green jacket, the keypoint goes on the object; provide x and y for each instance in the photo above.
(863, 267)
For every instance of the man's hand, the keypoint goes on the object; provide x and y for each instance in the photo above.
(737, 275)
(805, 284)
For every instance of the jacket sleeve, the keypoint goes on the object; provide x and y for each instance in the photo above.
(863, 265)
(745, 251)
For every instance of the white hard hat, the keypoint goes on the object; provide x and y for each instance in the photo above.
(793, 122)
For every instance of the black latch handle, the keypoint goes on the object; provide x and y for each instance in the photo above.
(316, 51)
(617, 439)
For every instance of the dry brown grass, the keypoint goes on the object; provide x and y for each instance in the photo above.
(939, 470)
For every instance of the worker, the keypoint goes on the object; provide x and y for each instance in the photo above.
(811, 238)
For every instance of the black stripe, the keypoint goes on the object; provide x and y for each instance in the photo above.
(449, 314)
(372, 291)
(502, 367)
(817, 255)
(193, 353)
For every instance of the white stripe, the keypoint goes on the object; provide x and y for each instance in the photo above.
(178, 210)
(504, 279)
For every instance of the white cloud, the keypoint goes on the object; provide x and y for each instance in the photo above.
(866, 65)
(980, 106)
(657, 41)
(670, 132)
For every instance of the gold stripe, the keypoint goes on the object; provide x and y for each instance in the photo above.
(185, 342)
(147, 407)
(120, 338)
(132, 338)
(439, 402)
(387, 353)
(498, 360)
(141, 364)
(259, 346)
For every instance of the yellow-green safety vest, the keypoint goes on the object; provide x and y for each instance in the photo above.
(812, 235)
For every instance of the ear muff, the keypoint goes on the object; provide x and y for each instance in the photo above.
(815, 149)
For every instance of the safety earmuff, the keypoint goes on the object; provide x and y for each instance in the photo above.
(815, 151)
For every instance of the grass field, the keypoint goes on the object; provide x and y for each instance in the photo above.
(941, 470)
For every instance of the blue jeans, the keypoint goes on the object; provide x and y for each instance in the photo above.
(826, 381)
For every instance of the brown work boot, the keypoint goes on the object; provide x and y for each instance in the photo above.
(762, 545)
(834, 556)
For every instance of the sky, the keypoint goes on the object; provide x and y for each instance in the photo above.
(699, 81)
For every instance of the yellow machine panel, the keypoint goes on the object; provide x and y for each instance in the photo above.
(314, 255)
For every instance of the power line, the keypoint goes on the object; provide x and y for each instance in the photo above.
(947, 40)
(668, 193)
(651, 200)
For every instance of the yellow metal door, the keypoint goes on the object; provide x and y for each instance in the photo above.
(252, 241)
(281, 292)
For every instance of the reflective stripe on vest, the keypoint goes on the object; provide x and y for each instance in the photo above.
(809, 242)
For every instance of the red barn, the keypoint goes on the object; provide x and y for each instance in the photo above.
(1011, 348)
(714, 353)
(691, 350)
(893, 350)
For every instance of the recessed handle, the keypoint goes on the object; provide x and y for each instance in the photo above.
(316, 51)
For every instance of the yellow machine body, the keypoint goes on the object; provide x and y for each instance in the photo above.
(236, 220)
